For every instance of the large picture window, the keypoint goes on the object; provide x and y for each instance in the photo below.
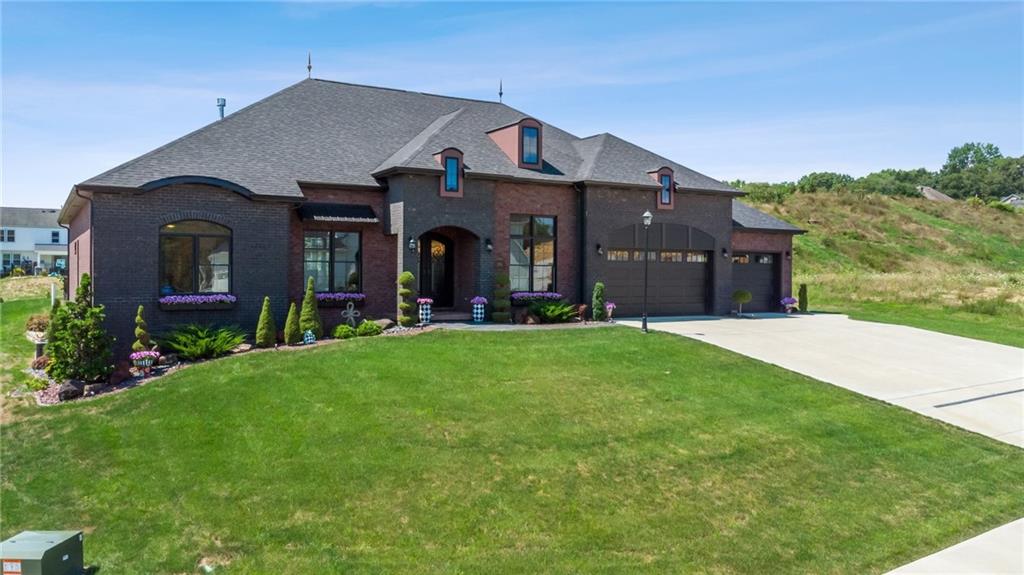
(333, 260)
(195, 257)
(532, 253)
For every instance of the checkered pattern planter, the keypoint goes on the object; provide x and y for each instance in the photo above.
(425, 313)
(478, 313)
(308, 337)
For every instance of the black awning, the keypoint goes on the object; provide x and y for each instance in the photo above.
(324, 212)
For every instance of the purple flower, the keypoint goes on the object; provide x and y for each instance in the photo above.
(424, 300)
(609, 306)
(531, 296)
(197, 299)
(144, 355)
(789, 300)
(478, 300)
(340, 296)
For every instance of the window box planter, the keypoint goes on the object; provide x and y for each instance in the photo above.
(524, 298)
(340, 299)
(197, 302)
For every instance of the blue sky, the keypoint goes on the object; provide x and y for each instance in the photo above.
(735, 90)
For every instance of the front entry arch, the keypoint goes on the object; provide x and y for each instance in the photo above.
(437, 269)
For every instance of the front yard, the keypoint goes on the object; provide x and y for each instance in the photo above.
(597, 450)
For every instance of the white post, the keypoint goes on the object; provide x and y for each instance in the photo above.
(53, 294)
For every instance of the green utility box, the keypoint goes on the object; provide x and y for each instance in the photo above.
(43, 553)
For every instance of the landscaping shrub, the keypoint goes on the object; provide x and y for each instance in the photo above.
(553, 311)
(802, 294)
(37, 322)
(17, 272)
(975, 202)
(292, 332)
(142, 341)
(740, 297)
(266, 329)
(309, 319)
(405, 308)
(501, 302)
(369, 328)
(78, 346)
(996, 204)
(194, 341)
(344, 331)
(597, 303)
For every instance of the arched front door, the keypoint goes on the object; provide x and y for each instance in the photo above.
(437, 269)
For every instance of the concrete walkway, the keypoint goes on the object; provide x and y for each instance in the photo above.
(972, 384)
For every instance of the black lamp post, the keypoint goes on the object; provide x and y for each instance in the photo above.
(647, 217)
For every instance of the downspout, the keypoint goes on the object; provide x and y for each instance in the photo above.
(581, 226)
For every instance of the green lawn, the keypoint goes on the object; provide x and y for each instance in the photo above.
(593, 451)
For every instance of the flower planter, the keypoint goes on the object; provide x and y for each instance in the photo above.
(196, 302)
(425, 312)
(521, 299)
(208, 306)
(478, 313)
(340, 299)
(144, 363)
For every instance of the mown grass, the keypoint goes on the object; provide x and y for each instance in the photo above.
(947, 267)
(596, 451)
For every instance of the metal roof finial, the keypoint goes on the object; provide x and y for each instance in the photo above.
(501, 91)
(309, 64)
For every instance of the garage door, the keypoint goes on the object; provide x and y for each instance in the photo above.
(679, 271)
(757, 273)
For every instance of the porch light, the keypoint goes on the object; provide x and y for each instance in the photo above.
(600, 250)
(412, 244)
(789, 256)
(489, 245)
(647, 217)
(725, 253)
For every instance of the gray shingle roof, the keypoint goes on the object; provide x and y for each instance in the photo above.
(28, 218)
(338, 133)
(746, 217)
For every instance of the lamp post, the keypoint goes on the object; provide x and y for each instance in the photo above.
(647, 217)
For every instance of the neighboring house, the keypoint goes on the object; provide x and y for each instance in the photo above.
(352, 185)
(934, 195)
(1015, 200)
(31, 239)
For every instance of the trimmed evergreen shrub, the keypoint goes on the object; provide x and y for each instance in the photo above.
(194, 341)
(501, 302)
(369, 328)
(142, 340)
(309, 319)
(344, 331)
(740, 297)
(407, 306)
(803, 298)
(292, 332)
(266, 329)
(78, 346)
(597, 303)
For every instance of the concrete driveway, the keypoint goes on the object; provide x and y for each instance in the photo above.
(973, 384)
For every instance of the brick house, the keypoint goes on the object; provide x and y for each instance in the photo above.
(353, 184)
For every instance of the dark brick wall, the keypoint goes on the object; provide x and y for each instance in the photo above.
(611, 208)
(769, 242)
(378, 253)
(79, 247)
(541, 200)
(126, 248)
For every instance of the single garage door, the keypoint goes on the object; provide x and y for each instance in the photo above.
(757, 273)
(679, 270)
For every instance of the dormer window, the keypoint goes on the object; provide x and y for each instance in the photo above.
(531, 143)
(667, 194)
(451, 180)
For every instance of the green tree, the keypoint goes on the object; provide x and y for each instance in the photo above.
(79, 347)
(292, 332)
(142, 340)
(309, 319)
(764, 192)
(969, 155)
(824, 182)
(266, 329)
(597, 302)
(740, 297)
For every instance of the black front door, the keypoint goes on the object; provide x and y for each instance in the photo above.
(437, 272)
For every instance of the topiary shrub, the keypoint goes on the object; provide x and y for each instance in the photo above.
(740, 297)
(78, 346)
(406, 281)
(266, 329)
(142, 341)
(597, 303)
(344, 331)
(501, 302)
(194, 341)
(37, 322)
(309, 319)
(292, 332)
(369, 328)
(802, 296)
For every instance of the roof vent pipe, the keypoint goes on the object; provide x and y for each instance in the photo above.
(221, 102)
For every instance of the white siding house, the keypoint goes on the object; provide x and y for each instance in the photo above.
(31, 239)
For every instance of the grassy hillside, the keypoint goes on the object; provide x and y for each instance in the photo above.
(949, 267)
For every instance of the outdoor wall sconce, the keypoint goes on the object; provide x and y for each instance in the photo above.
(412, 244)
(725, 253)
(489, 245)
(600, 250)
(789, 256)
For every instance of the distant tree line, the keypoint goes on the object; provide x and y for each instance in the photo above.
(971, 170)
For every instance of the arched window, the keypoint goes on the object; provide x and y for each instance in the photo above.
(195, 257)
